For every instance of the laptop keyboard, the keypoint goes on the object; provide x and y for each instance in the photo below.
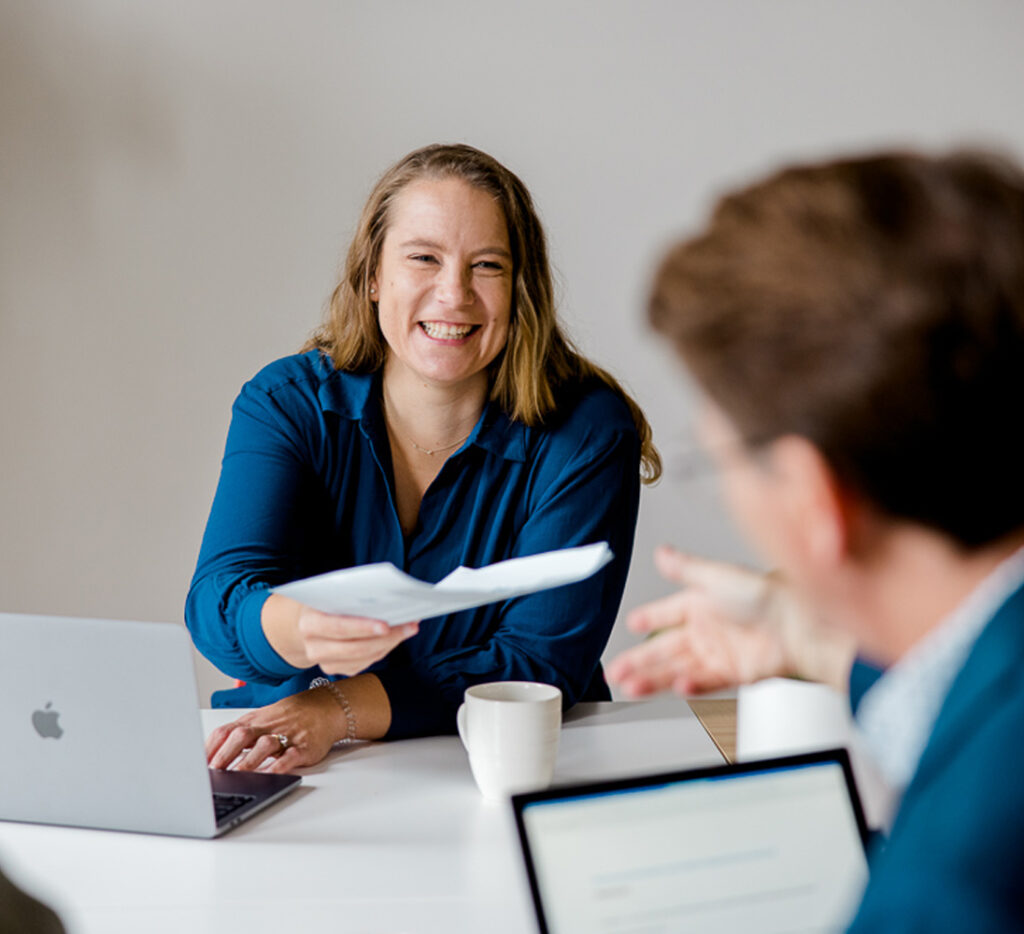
(225, 804)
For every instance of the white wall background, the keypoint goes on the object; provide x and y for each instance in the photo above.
(179, 180)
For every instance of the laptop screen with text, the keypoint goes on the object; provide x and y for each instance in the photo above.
(770, 847)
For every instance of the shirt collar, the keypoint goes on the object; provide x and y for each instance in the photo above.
(356, 396)
(346, 394)
(898, 712)
(497, 433)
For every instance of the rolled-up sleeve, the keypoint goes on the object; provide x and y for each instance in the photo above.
(252, 539)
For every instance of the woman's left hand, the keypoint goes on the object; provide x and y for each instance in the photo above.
(294, 732)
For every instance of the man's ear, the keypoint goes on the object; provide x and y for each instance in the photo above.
(824, 514)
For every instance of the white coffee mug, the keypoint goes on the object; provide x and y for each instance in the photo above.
(510, 730)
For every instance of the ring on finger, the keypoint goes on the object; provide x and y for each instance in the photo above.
(283, 740)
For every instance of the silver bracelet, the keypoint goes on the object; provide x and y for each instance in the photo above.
(350, 718)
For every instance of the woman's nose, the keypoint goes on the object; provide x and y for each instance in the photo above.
(455, 287)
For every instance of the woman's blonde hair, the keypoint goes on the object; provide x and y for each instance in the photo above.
(537, 359)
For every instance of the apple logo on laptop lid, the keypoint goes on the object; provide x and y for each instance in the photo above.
(45, 722)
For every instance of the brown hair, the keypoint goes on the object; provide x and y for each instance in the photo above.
(538, 359)
(874, 306)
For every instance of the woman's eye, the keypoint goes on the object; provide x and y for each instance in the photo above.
(423, 258)
(489, 264)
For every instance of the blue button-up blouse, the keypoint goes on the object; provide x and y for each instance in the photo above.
(306, 486)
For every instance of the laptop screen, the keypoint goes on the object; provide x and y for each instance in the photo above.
(759, 847)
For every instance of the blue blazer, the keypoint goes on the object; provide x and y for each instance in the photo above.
(954, 861)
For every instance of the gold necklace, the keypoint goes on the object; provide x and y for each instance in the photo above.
(447, 447)
(428, 451)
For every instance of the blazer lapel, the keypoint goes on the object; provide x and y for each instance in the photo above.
(996, 658)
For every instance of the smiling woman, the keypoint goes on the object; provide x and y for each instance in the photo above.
(444, 296)
(444, 284)
(439, 417)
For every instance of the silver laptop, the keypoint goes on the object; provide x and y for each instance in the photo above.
(101, 728)
(764, 848)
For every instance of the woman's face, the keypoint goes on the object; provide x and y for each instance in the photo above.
(443, 285)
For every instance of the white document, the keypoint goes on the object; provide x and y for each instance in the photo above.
(382, 591)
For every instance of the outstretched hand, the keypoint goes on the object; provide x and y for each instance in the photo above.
(721, 630)
(347, 645)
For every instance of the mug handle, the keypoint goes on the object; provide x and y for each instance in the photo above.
(460, 722)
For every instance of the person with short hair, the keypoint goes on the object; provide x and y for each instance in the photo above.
(857, 328)
(440, 417)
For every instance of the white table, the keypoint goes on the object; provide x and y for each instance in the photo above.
(381, 837)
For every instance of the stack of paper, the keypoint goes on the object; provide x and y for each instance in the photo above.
(382, 591)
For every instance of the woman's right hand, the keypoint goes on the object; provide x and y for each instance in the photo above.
(340, 645)
(347, 645)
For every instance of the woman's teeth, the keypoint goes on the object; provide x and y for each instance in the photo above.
(446, 332)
